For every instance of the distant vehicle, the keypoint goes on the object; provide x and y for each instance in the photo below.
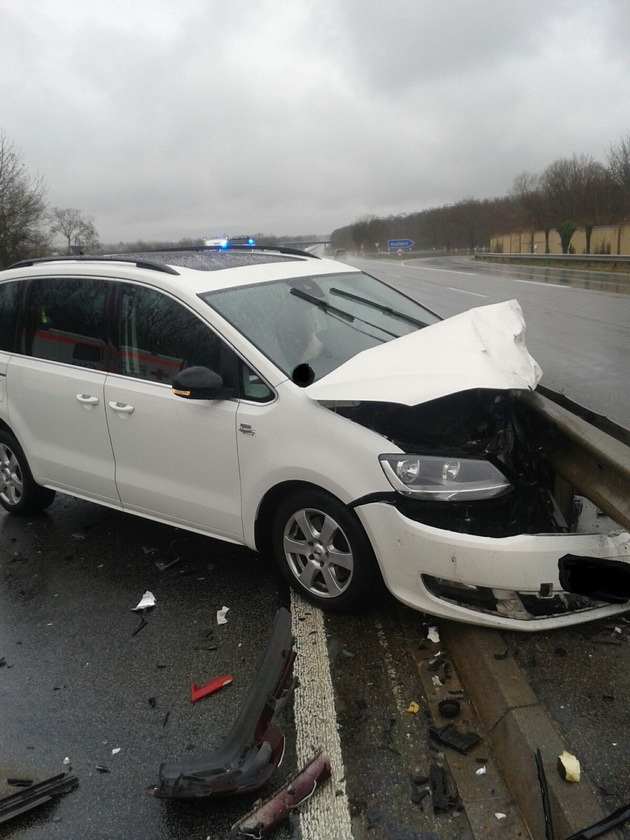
(227, 241)
(340, 252)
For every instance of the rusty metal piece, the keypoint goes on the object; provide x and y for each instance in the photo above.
(262, 819)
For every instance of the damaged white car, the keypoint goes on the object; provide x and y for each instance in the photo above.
(306, 410)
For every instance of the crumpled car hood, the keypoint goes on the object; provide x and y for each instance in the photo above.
(481, 348)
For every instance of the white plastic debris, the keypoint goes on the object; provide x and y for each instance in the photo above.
(568, 767)
(481, 772)
(147, 600)
(499, 815)
(221, 615)
(433, 635)
(116, 750)
(436, 680)
(66, 760)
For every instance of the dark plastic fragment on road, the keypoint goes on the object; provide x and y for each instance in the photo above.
(443, 801)
(451, 736)
(613, 820)
(15, 782)
(34, 795)
(449, 708)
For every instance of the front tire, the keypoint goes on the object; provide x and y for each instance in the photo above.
(323, 551)
(19, 493)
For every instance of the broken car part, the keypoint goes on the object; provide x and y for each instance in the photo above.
(544, 793)
(36, 794)
(262, 819)
(199, 691)
(613, 820)
(451, 736)
(254, 746)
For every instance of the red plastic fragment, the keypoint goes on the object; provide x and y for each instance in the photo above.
(199, 691)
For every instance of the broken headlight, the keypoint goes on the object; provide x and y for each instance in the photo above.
(444, 479)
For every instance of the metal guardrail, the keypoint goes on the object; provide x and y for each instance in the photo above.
(595, 462)
(612, 262)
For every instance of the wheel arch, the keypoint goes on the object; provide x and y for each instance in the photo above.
(270, 501)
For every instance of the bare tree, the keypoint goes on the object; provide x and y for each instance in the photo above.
(22, 208)
(77, 229)
(619, 169)
(578, 188)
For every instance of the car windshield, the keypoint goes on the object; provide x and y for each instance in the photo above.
(322, 320)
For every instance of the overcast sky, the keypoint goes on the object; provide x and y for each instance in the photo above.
(171, 118)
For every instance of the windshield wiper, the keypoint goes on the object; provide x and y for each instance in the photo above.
(339, 313)
(381, 307)
(321, 304)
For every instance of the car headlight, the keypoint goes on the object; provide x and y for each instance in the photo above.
(444, 479)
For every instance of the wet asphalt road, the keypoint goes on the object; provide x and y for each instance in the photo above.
(80, 680)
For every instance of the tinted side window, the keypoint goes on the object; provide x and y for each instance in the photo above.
(158, 337)
(9, 299)
(65, 321)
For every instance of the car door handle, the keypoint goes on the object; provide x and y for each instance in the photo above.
(87, 399)
(121, 408)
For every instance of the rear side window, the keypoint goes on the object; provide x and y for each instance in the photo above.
(158, 337)
(9, 300)
(65, 321)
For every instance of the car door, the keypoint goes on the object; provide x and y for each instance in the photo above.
(55, 386)
(175, 459)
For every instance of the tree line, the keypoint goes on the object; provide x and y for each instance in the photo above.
(28, 227)
(571, 192)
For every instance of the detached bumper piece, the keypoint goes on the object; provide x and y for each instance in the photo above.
(261, 821)
(35, 795)
(254, 746)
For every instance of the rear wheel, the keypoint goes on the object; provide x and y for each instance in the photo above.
(323, 551)
(19, 494)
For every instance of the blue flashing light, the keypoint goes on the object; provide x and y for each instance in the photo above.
(224, 243)
(251, 241)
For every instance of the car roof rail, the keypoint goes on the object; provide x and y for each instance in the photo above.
(153, 266)
(276, 249)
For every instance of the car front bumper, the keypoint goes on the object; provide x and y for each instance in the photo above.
(509, 582)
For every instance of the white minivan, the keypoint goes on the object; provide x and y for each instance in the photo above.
(304, 409)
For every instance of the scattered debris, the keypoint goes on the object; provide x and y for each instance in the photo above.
(569, 767)
(413, 708)
(260, 821)
(449, 708)
(141, 626)
(436, 680)
(254, 746)
(443, 800)
(451, 736)
(35, 795)
(221, 619)
(199, 691)
(481, 771)
(147, 600)
(116, 750)
(102, 768)
(15, 782)
(433, 635)
(499, 815)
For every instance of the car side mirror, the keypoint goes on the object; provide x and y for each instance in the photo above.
(198, 383)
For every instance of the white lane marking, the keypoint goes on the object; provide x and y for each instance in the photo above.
(465, 292)
(327, 814)
(447, 270)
